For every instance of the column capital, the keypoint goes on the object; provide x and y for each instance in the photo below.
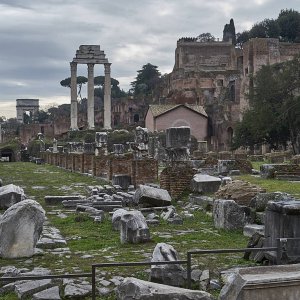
(73, 64)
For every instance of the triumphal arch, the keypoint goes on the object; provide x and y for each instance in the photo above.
(90, 55)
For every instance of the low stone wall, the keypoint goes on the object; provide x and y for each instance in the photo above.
(278, 157)
(141, 171)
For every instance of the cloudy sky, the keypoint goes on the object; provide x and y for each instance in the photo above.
(38, 38)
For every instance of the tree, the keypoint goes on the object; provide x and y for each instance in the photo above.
(286, 27)
(146, 80)
(98, 81)
(80, 81)
(116, 92)
(205, 37)
(289, 23)
(42, 116)
(242, 37)
(274, 116)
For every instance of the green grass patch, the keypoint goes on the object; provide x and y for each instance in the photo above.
(274, 185)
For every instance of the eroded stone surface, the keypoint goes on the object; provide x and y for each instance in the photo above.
(48, 294)
(203, 183)
(167, 274)
(152, 196)
(20, 228)
(10, 194)
(134, 228)
(227, 214)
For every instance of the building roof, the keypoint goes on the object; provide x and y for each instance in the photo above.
(159, 109)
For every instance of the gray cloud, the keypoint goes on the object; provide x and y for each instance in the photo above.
(39, 38)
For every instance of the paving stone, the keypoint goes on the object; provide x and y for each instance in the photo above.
(77, 291)
(48, 294)
(29, 288)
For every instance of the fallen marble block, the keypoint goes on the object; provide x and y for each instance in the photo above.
(116, 218)
(132, 288)
(134, 228)
(48, 294)
(20, 228)
(172, 274)
(203, 183)
(151, 196)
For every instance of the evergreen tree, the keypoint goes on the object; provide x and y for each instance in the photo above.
(146, 79)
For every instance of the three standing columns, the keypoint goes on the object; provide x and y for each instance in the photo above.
(90, 94)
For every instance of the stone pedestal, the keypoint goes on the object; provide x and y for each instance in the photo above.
(54, 146)
(178, 143)
(282, 220)
(141, 142)
(101, 143)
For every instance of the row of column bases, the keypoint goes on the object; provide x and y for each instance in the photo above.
(90, 94)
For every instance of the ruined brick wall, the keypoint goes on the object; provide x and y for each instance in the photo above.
(176, 179)
(78, 163)
(144, 171)
(204, 56)
(141, 171)
(101, 166)
(120, 165)
(88, 163)
(63, 160)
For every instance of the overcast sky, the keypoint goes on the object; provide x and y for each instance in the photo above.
(38, 38)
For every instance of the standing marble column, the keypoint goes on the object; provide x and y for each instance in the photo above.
(90, 109)
(107, 97)
(73, 66)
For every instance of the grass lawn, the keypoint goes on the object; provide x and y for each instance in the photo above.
(102, 243)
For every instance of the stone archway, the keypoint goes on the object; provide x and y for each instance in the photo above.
(7, 154)
(26, 107)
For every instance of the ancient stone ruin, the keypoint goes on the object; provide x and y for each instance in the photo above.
(20, 229)
(90, 55)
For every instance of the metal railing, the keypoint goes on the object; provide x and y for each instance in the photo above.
(217, 251)
(128, 264)
(281, 251)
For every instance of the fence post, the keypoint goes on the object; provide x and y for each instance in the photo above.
(93, 282)
(189, 269)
